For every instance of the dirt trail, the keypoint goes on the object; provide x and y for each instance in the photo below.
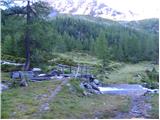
(137, 109)
(45, 105)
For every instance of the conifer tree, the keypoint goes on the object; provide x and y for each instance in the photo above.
(101, 49)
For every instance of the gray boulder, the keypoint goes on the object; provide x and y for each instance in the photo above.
(23, 83)
(3, 87)
(36, 69)
(96, 81)
(82, 86)
(87, 85)
(94, 91)
(94, 86)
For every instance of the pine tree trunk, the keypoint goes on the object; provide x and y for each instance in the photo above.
(27, 39)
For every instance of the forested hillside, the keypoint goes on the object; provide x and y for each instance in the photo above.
(123, 41)
(76, 66)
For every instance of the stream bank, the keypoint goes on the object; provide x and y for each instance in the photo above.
(138, 95)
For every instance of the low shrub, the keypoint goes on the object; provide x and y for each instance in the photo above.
(62, 60)
(153, 75)
(10, 68)
(12, 58)
(151, 79)
(75, 84)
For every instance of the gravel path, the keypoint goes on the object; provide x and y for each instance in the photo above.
(138, 107)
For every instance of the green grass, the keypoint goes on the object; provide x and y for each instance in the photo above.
(71, 106)
(81, 58)
(125, 73)
(5, 76)
(155, 106)
(120, 72)
(22, 102)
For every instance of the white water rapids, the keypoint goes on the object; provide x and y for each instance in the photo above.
(126, 89)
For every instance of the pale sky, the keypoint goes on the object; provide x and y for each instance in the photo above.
(146, 8)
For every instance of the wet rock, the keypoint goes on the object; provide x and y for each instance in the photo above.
(96, 81)
(94, 86)
(154, 91)
(59, 77)
(88, 76)
(87, 85)
(55, 73)
(15, 75)
(41, 75)
(94, 91)
(23, 83)
(36, 69)
(91, 86)
(82, 86)
(151, 91)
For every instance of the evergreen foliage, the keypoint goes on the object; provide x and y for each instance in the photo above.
(104, 38)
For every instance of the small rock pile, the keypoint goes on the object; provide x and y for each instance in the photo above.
(90, 87)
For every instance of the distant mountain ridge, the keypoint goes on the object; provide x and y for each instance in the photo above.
(95, 8)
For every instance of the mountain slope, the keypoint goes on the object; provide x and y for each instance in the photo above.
(148, 25)
(101, 8)
(95, 8)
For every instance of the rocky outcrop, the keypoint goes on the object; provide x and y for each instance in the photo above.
(90, 87)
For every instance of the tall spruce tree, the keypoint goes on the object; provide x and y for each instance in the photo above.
(101, 49)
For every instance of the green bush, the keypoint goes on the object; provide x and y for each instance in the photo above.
(133, 59)
(153, 85)
(10, 68)
(12, 58)
(62, 60)
(75, 83)
(66, 71)
(66, 61)
(153, 75)
(151, 79)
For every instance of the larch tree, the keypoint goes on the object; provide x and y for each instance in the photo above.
(101, 48)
